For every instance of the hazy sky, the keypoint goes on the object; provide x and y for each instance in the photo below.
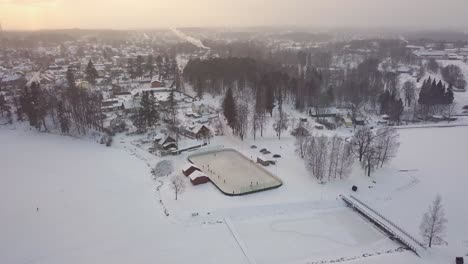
(126, 14)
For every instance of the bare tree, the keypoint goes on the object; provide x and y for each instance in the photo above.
(242, 121)
(262, 119)
(361, 141)
(409, 90)
(370, 160)
(255, 124)
(281, 123)
(177, 185)
(301, 133)
(386, 144)
(449, 110)
(328, 158)
(433, 224)
(346, 160)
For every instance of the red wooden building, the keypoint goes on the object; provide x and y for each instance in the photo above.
(189, 168)
(198, 177)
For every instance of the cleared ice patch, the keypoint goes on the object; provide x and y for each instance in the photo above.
(320, 235)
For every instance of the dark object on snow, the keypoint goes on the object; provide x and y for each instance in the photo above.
(263, 161)
(266, 152)
(354, 188)
(163, 168)
(263, 150)
(277, 156)
(459, 260)
(272, 162)
(253, 147)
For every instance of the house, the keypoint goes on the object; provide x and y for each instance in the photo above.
(198, 177)
(359, 121)
(156, 83)
(198, 131)
(166, 143)
(200, 109)
(111, 105)
(189, 168)
(403, 69)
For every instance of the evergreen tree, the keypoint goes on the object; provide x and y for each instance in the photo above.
(150, 65)
(34, 103)
(70, 78)
(131, 68)
(3, 104)
(63, 119)
(172, 106)
(448, 97)
(153, 116)
(230, 109)
(140, 121)
(91, 73)
(139, 66)
(199, 88)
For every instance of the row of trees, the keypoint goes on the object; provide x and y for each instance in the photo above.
(69, 109)
(435, 97)
(330, 158)
(147, 114)
(373, 150)
(453, 75)
(392, 105)
(327, 158)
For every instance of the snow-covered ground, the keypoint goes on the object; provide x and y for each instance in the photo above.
(66, 200)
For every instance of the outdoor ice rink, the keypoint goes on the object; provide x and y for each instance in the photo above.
(233, 173)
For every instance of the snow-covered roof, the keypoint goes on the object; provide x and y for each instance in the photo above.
(197, 174)
(196, 128)
(188, 166)
(158, 136)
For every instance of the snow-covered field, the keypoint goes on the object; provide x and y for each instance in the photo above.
(66, 200)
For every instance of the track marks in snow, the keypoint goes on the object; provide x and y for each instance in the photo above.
(276, 227)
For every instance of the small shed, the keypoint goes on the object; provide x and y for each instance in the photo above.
(198, 177)
(359, 121)
(348, 122)
(155, 83)
(264, 161)
(189, 168)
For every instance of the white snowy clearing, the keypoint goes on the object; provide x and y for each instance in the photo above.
(66, 200)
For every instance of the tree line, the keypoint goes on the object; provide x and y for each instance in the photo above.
(69, 108)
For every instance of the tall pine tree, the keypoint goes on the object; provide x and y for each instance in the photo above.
(230, 109)
(91, 73)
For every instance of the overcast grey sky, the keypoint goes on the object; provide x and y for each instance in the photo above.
(120, 14)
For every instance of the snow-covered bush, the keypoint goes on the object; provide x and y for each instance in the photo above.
(163, 168)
